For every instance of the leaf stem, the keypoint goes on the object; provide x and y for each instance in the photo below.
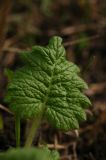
(32, 132)
(17, 130)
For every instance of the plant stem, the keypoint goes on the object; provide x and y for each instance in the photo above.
(35, 125)
(17, 130)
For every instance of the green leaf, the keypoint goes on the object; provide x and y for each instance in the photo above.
(9, 73)
(1, 122)
(30, 154)
(50, 84)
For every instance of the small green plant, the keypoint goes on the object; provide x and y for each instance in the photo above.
(46, 87)
(30, 154)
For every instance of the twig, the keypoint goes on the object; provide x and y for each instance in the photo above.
(70, 43)
(5, 109)
(13, 50)
(76, 29)
(52, 146)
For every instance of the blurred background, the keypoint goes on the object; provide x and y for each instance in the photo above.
(82, 25)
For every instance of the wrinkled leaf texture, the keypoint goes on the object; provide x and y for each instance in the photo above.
(49, 84)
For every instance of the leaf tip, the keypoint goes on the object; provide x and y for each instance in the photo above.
(55, 41)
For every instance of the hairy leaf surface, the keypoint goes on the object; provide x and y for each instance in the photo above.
(49, 84)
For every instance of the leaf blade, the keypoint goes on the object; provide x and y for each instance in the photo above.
(49, 83)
